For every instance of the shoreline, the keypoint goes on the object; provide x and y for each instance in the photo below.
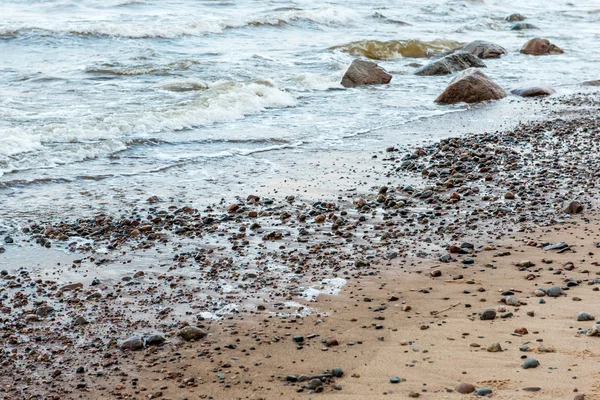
(181, 262)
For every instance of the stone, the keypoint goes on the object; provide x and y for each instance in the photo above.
(44, 311)
(395, 379)
(554, 291)
(80, 321)
(133, 344)
(592, 83)
(465, 388)
(509, 196)
(574, 207)
(450, 64)
(515, 18)
(482, 49)
(579, 396)
(583, 316)
(436, 273)
(512, 301)
(530, 363)
(540, 47)
(154, 340)
(521, 331)
(494, 348)
(483, 392)
(521, 26)
(191, 333)
(488, 314)
(534, 90)
(363, 72)
(539, 293)
(337, 372)
(471, 86)
(313, 384)
(593, 331)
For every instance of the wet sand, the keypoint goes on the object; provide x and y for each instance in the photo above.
(156, 268)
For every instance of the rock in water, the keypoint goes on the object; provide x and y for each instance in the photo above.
(450, 64)
(191, 333)
(534, 90)
(471, 86)
(363, 72)
(515, 18)
(540, 47)
(574, 207)
(465, 388)
(521, 26)
(483, 49)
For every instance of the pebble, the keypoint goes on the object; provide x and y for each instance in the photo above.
(488, 314)
(530, 363)
(483, 392)
(465, 388)
(583, 316)
(191, 333)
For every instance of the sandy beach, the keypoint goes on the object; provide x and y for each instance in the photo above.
(378, 292)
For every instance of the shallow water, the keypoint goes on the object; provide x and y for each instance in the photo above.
(130, 98)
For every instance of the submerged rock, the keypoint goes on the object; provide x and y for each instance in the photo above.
(540, 47)
(363, 72)
(521, 26)
(450, 64)
(515, 18)
(471, 86)
(534, 90)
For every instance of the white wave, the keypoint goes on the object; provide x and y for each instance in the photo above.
(330, 286)
(325, 15)
(223, 101)
(176, 26)
(15, 140)
(312, 81)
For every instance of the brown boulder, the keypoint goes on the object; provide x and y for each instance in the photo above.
(471, 86)
(540, 47)
(574, 207)
(365, 73)
(534, 90)
(465, 388)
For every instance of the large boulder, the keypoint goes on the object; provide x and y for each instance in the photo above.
(534, 90)
(483, 49)
(363, 72)
(450, 64)
(540, 47)
(471, 86)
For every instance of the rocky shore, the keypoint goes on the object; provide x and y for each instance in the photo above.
(427, 290)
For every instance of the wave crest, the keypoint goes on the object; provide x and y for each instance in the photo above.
(382, 50)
